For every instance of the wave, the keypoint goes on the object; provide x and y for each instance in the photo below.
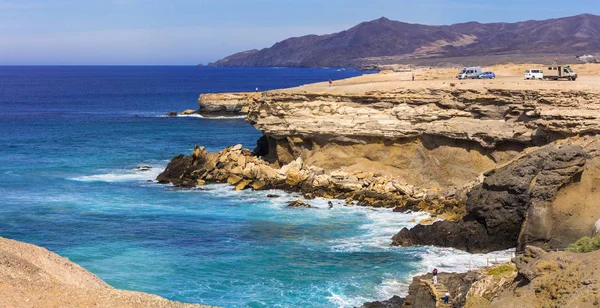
(376, 226)
(123, 175)
(201, 116)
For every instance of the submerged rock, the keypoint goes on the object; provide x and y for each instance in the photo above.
(142, 168)
(298, 203)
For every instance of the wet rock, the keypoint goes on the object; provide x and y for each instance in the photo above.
(298, 203)
(189, 111)
(243, 184)
(179, 165)
(272, 196)
(394, 302)
(142, 168)
(171, 114)
(234, 179)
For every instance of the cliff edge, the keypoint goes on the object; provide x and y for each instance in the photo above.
(508, 162)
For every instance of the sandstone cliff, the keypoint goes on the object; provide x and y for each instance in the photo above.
(225, 104)
(514, 162)
(32, 276)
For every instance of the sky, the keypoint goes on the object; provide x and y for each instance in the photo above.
(184, 32)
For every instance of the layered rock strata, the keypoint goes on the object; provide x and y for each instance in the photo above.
(427, 148)
(225, 104)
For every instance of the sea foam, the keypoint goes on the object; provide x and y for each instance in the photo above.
(122, 175)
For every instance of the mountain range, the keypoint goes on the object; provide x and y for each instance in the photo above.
(383, 38)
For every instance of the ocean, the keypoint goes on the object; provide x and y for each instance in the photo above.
(71, 138)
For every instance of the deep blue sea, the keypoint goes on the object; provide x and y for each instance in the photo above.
(70, 138)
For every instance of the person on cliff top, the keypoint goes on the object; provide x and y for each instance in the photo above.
(435, 272)
(413, 77)
(446, 298)
(330, 82)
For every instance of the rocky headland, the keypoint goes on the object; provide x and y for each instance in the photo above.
(32, 276)
(506, 163)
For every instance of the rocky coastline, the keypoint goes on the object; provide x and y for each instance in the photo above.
(535, 278)
(492, 160)
(498, 164)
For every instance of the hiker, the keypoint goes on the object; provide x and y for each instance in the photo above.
(446, 298)
(330, 82)
(435, 272)
(413, 77)
(330, 204)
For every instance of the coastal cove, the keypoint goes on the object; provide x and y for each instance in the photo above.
(72, 139)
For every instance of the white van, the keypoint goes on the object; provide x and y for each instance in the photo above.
(470, 72)
(534, 74)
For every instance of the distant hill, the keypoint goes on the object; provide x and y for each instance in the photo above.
(388, 38)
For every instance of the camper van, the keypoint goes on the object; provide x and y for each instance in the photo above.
(470, 72)
(534, 74)
(560, 72)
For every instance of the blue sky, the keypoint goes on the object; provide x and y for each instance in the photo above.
(199, 31)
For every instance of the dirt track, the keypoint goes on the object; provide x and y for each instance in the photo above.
(509, 77)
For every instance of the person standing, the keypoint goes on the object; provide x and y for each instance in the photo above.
(330, 82)
(446, 298)
(435, 272)
(413, 77)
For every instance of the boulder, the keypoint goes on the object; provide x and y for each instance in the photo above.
(234, 179)
(298, 203)
(242, 184)
(321, 180)
(258, 185)
(294, 177)
(237, 147)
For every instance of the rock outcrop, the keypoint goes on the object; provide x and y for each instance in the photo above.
(510, 208)
(225, 104)
(241, 168)
(553, 279)
(32, 276)
(535, 278)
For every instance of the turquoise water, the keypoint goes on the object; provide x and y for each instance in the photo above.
(70, 139)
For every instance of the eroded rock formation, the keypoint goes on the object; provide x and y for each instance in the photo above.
(225, 104)
(241, 168)
(511, 207)
(503, 156)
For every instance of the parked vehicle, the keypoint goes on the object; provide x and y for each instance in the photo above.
(560, 72)
(470, 72)
(534, 74)
(487, 75)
